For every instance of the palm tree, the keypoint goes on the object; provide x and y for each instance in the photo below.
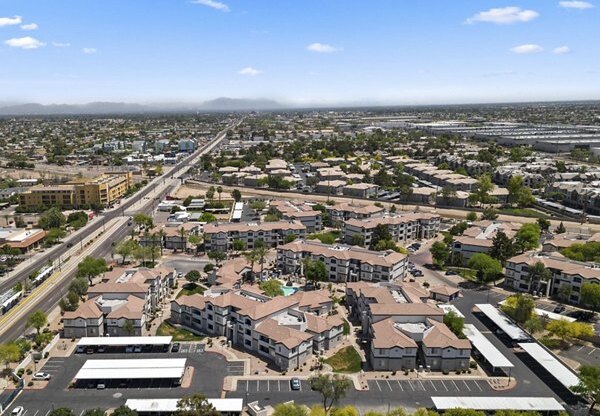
(538, 273)
(183, 239)
(162, 235)
(261, 253)
(219, 191)
(252, 257)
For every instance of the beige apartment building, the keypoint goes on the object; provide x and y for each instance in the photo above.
(403, 228)
(101, 191)
(220, 237)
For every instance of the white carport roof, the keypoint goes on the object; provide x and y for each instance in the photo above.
(542, 404)
(170, 405)
(123, 341)
(486, 348)
(132, 369)
(558, 370)
(503, 322)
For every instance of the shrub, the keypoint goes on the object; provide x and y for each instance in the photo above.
(445, 372)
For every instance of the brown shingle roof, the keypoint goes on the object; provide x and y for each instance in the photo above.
(281, 334)
(385, 335)
(440, 336)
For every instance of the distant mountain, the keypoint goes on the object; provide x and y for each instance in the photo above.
(218, 104)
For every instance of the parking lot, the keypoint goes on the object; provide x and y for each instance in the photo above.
(191, 348)
(432, 386)
(235, 368)
(583, 354)
(266, 386)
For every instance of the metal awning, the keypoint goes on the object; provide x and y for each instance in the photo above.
(486, 348)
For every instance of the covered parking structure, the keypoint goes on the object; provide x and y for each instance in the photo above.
(490, 353)
(121, 344)
(493, 403)
(165, 371)
(556, 369)
(502, 321)
(156, 407)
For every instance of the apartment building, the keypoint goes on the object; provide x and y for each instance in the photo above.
(121, 304)
(479, 239)
(343, 263)
(565, 272)
(330, 187)
(300, 212)
(101, 191)
(361, 190)
(402, 330)
(344, 211)
(220, 236)
(279, 329)
(403, 228)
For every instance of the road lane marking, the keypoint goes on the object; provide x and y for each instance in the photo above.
(466, 385)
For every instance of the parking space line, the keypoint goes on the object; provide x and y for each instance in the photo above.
(25, 412)
(246, 385)
(300, 387)
(47, 413)
(378, 386)
(478, 386)
(80, 414)
(444, 384)
(268, 385)
(466, 385)
(411, 386)
(400, 385)
(592, 351)
(433, 385)
(455, 386)
(278, 385)
(580, 348)
(36, 412)
(421, 383)
(389, 385)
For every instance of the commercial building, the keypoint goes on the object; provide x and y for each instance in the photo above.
(220, 236)
(403, 228)
(101, 191)
(21, 238)
(343, 263)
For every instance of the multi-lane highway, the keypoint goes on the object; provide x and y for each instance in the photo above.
(143, 201)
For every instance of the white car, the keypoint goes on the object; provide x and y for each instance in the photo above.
(42, 376)
(17, 411)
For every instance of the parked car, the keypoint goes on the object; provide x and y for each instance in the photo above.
(41, 376)
(175, 347)
(137, 348)
(560, 309)
(101, 348)
(129, 348)
(295, 383)
(89, 351)
(451, 273)
(17, 411)
(417, 273)
(101, 386)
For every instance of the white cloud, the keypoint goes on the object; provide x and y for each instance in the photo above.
(89, 51)
(526, 49)
(29, 26)
(321, 48)
(61, 44)
(10, 21)
(213, 4)
(25, 43)
(503, 16)
(576, 4)
(561, 50)
(249, 71)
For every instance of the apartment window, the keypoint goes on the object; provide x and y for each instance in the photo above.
(248, 332)
(210, 327)
(247, 321)
(247, 342)
(577, 280)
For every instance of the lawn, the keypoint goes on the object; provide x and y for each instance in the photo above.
(327, 237)
(523, 212)
(178, 334)
(465, 273)
(345, 360)
(190, 289)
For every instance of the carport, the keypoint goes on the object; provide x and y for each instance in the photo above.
(491, 354)
(512, 330)
(558, 370)
(171, 369)
(122, 342)
(493, 403)
(155, 407)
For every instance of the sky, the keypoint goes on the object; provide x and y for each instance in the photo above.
(303, 52)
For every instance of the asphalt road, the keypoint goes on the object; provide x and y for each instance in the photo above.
(142, 197)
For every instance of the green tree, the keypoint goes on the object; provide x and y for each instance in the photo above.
(52, 218)
(537, 273)
(589, 383)
(141, 219)
(195, 405)
(217, 256)
(290, 237)
(590, 295)
(79, 285)
(61, 411)
(463, 412)
(219, 191)
(315, 270)
(37, 320)
(290, 409)
(380, 233)
(489, 214)
(90, 267)
(481, 190)
(54, 235)
(357, 240)
(520, 307)
(272, 288)
(125, 249)
(124, 411)
(544, 224)
(455, 323)
(487, 267)
(502, 247)
(77, 219)
(208, 267)
(128, 327)
(236, 195)
(560, 229)
(193, 276)
(533, 325)
(239, 245)
(196, 241)
(528, 237)
(331, 387)
(440, 253)
(9, 353)
(472, 216)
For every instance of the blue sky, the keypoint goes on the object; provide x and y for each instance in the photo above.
(299, 51)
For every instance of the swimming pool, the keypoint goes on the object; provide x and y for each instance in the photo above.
(289, 290)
